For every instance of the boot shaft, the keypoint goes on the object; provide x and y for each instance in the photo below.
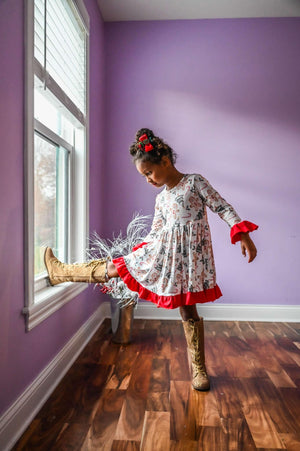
(91, 272)
(194, 333)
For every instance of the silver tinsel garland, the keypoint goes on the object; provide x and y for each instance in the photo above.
(117, 247)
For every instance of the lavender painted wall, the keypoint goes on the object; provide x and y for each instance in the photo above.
(23, 355)
(225, 95)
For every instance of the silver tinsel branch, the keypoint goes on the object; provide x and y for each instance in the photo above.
(117, 247)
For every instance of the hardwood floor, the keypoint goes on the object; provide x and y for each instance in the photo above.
(138, 397)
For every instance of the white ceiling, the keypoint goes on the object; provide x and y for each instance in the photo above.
(123, 10)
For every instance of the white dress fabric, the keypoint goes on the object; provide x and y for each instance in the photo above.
(175, 266)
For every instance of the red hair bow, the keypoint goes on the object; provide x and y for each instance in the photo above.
(146, 142)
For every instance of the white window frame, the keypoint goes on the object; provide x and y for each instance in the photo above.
(41, 301)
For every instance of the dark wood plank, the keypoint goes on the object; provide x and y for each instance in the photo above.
(262, 428)
(238, 434)
(74, 399)
(158, 401)
(246, 330)
(289, 350)
(144, 339)
(71, 437)
(212, 439)
(94, 349)
(124, 445)
(183, 445)
(273, 402)
(58, 436)
(291, 441)
(72, 402)
(179, 366)
(140, 397)
(205, 408)
(227, 399)
(104, 422)
(160, 376)
(178, 342)
(261, 425)
(291, 330)
(28, 435)
(163, 342)
(294, 373)
(179, 395)
(291, 400)
(216, 358)
(130, 424)
(122, 369)
(156, 431)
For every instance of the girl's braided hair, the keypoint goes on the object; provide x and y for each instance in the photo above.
(148, 147)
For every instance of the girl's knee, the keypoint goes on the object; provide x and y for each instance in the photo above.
(189, 312)
(112, 270)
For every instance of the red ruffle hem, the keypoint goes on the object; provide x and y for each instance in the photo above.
(168, 302)
(241, 227)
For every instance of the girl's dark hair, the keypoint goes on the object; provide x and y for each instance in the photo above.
(159, 148)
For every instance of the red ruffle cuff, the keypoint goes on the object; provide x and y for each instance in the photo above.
(241, 227)
(168, 302)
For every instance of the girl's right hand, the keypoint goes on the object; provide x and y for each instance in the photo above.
(248, 247)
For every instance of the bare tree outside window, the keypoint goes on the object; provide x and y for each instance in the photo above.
(44, 200)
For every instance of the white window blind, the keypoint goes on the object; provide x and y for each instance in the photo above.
(60, 57)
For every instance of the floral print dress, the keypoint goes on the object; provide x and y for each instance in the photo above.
(175, 266)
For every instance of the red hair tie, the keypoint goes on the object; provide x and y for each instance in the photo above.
(145, 142)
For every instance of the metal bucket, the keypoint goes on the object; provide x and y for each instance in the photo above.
(121, 322)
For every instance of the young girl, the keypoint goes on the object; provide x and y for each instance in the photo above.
(174, 267)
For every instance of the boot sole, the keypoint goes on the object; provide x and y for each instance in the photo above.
(201, 389)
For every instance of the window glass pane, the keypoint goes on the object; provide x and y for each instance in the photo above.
(44, 200)
(50, 201)
(51, 113)
(62, 203)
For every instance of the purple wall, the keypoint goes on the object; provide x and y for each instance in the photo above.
(225, 95)
(23, 355)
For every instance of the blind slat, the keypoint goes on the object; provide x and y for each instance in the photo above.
(65, 47)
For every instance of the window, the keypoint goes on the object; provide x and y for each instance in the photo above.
(56, 154)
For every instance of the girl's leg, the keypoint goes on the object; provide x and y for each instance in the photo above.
(111, 270)
(194, 334)
(189, 312)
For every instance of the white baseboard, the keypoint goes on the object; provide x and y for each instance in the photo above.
(18, 417)
(225, 312)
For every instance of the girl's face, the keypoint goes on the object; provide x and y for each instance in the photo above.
(156, 174)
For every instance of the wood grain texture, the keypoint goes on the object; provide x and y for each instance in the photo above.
(101, 432)
(156, 431)
(130, 424)
(122, 369)
(179, 395)
(158, 401)
(139, 397)
(125, 445)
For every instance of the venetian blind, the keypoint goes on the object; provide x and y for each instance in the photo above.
(60, 51)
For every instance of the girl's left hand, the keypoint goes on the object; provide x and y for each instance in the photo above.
(248, 247)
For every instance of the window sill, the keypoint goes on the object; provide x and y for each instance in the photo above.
(50, 299)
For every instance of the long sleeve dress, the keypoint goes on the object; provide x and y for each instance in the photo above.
(175, 265)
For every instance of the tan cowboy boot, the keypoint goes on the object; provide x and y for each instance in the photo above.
(93, 272)
(194, 334)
